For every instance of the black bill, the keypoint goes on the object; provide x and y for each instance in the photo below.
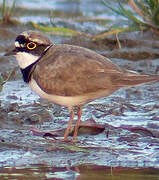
(11, 53)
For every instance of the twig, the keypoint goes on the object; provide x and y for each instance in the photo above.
(118, 42)
(138, 11)
(8, 77)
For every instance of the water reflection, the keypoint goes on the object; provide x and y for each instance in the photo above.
(81, 172)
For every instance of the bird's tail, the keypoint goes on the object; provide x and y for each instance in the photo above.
(131, 78)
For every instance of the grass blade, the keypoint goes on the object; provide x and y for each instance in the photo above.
(61, 31)
(130, 15)
(115, 31)
(113, 9)
(10, 11)
(3, 8)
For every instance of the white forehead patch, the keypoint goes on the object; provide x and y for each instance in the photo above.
(17, 44)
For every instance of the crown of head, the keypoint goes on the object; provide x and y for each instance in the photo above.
(32, 42)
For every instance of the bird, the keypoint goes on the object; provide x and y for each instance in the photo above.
(70, 75)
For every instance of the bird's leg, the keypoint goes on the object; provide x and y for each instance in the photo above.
(79, 114)
(69, 124)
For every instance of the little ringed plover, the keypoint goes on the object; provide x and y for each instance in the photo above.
(68, 75)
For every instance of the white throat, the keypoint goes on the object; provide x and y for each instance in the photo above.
(24, 59)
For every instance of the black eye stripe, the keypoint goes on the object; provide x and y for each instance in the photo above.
(23, 43)
(22, 40)
(38, 51)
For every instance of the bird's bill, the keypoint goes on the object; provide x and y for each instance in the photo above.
(11, 53)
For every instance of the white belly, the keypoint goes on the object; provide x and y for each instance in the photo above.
(68, 101)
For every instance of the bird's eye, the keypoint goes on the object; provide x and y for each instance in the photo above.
(31, 45)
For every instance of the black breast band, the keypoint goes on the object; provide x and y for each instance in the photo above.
(28, 70)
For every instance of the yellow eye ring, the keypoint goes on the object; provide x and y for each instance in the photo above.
(31, 45)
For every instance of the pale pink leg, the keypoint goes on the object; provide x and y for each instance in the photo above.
(79, 114)
(69, 124)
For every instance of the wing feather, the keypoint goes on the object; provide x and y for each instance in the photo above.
(69, 70)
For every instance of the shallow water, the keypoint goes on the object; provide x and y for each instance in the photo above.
(81, 172)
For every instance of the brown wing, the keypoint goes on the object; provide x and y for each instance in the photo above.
(69, 70)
